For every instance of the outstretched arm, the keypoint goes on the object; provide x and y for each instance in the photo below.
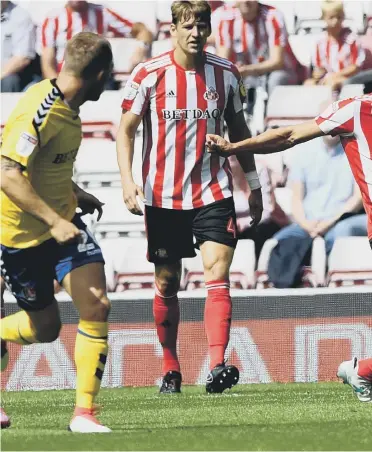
(273, 140)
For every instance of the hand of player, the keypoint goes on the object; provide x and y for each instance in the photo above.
(64, 232)
(89, 203)
(255, 206)
(130, 193)
(218, 145)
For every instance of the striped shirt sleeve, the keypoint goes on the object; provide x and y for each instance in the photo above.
(316, 59)
(276, 29)
(238, 93)
(358, 54)
(49, 32)
(338, 118)
(117, 25)
(224, 33)
(136, 94)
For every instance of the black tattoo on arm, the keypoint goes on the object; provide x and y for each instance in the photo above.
(8, 164)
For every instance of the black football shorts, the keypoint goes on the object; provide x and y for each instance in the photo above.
(171, 233)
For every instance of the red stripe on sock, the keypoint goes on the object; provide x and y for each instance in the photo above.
(216, 284)
(365, 368)
(217, 318)
(167, 317)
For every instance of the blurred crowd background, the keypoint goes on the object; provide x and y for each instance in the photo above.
(295, 57)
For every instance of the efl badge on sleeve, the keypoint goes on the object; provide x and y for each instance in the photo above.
(26, 144)
(131, 90)
(243, 91)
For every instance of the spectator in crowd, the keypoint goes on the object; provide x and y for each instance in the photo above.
(221, 13)
(79, 16)
(338, 54)
(256, 40)
(326, 202)
(273, 217)
(17, 47)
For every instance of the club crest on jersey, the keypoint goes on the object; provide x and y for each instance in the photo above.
(211, 94)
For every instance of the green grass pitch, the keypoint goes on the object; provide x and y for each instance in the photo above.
(318, 416)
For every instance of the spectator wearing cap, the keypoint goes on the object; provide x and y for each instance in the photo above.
(17, 47)
(79, 16)
(256, 40)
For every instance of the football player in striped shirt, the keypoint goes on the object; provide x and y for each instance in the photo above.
(351, 120)
(181, 96)
(76, 16)
(42, 237)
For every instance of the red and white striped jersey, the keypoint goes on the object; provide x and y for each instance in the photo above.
(179, 107)
(59, 28)
(251, 42)
(351, 119)
(222, 14)
(335, 55)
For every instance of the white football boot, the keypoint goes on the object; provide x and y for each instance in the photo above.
(348, 372)
(84, 421)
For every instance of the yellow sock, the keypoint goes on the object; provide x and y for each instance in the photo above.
(90, 359)
(18, 328)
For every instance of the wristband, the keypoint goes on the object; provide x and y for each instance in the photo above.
(253, 180)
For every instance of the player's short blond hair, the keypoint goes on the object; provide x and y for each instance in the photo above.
(185, 10)
(87, 54)
(332, 6)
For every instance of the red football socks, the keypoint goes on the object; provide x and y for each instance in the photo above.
(365, 368)
(217, 318)
(166, 312)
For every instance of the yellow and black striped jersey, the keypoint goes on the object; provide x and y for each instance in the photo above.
(43, 134)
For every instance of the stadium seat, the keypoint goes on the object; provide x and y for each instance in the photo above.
(143, 11)
(116, 219)
(283, 196)
(241, 270)
(101, 118)
(301, 103)
(8, 103)
(96, 163)
(109, 248)
(162, 46)
(287, 8)
(128, 259)
(315, 275)
(350, 262)
(366, 43)
(312, 276)
(351, 91)
(122, 50)
(303, 47)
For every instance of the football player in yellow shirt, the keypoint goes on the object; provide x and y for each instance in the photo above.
(42, 238)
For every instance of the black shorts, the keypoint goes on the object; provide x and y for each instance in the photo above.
(29, 273)
(170, 232)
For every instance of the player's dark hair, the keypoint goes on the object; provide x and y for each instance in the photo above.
(185, 10)
(87, 54)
